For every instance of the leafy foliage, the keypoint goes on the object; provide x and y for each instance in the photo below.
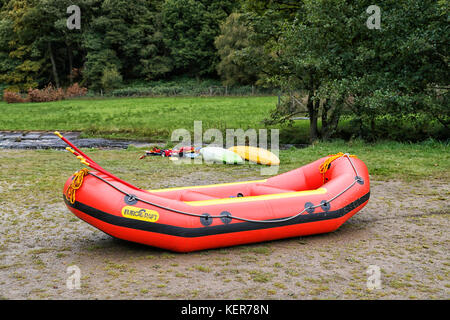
(230, 43)
(326, 52)
(111, 79)
(13, 97)
(190, 28)
(142, 39)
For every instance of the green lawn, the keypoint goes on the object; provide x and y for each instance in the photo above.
(155, 118)
(141, 118)
(384, 159)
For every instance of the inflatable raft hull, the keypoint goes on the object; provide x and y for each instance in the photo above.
(300, 202)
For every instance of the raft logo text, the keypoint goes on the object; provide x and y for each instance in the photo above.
(140, 214)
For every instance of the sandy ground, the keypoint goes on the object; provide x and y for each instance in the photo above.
(403, 233)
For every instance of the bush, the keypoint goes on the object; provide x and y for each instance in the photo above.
(111, 79)
(13, 97)
(3, 87)
(49, 93)
(75, 91)
(132, 91)
(186, 87)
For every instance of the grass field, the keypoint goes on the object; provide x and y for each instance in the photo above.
(155, 118)
(137, 118)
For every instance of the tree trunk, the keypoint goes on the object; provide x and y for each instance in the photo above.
(325, 109)
(313, 115)
(70, 56)
(330, 118)
(444, 121)
(52, 59)
(359, 121)
(372, 128)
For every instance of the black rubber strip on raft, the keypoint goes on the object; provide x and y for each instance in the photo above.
(212, 230)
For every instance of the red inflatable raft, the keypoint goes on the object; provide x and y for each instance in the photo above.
(316, 198)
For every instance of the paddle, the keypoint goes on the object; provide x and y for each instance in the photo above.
(84, 159)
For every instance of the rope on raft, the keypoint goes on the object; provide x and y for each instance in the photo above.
(76, 184)
(323, 168)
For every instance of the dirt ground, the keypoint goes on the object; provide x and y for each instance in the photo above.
(403, 232)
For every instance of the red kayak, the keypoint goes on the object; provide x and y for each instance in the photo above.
(315, 198)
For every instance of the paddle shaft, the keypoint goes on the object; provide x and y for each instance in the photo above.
(86, 160)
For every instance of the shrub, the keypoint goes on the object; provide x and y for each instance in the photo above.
(13, 97)
(49, 93)
(75, 91)
(2, 89)
(111, 79)
(132, 91)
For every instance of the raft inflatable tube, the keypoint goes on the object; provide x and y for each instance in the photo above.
(316, 198)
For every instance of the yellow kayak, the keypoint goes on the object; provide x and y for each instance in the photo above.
(254, 154)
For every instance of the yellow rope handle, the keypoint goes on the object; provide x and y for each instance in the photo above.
(81, 158)
(77, 181)
(323, 168)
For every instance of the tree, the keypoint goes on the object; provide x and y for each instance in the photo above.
(7, 63)
(21, 62)
(133, 30)
(233, 38)
(37, 46)
(97, 61)
(40, 41)
(111, 79)
(127, 36)
(190, 28)
(327, 51)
